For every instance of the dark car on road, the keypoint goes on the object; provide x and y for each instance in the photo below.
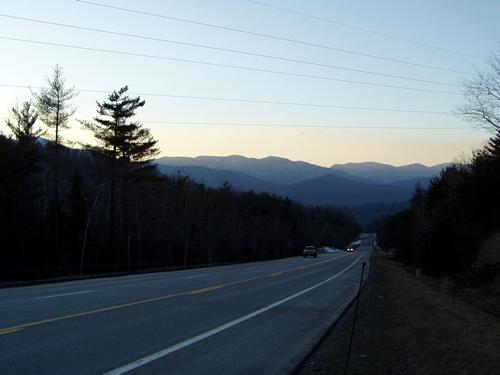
(310, 251)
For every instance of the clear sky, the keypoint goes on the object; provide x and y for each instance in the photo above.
(469, 29)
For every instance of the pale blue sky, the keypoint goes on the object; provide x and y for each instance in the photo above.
(463, 26)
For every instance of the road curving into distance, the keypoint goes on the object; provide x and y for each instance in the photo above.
(261, 317)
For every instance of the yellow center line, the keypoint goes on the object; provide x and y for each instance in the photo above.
(9, 330)
(232, 283)
(84, 313)
(204, 290)
(19, 327)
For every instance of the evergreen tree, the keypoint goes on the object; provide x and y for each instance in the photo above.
(54, 106)
(493, 146)
(118, 138)
(128, 145)
(22, 124)
(20, 164)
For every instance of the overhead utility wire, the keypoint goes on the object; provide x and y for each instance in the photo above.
(269, 36)
(225, 50)
(244, 124)
(239, 67)
(256, 101)
(363, 29)
(302, 126)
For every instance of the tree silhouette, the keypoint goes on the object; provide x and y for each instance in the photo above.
(53, 103)
(482, 96)
(22, 124)
(117, 212)
(128, 146)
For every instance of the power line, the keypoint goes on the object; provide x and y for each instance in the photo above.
(363, 29)
(239, 67)
(303, 126)
(256, 101)
(269, 36)
(247, 53)
(284, 125)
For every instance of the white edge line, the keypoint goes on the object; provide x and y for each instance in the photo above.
(162, 353)
(66, 294)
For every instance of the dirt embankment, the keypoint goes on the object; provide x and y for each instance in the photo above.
(407, 326)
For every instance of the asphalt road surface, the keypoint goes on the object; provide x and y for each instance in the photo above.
(253, 318)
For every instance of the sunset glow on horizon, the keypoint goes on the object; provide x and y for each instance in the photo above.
(326, 107)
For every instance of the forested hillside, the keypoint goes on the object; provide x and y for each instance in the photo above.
(106, 208)
(453, 227)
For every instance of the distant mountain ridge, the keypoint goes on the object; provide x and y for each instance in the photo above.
(216, 177)
(377, 188)
(385, 173)
(331, 189)
(273, 169)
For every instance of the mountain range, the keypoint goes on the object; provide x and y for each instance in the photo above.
(385, 173)
(272, 169)
(365, 188)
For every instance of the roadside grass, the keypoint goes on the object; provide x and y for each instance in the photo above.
(406, 326)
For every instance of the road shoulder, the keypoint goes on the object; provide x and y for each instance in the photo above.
(406, 326)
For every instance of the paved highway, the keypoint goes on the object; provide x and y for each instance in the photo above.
(254, 318)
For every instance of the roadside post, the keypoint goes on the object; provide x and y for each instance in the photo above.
(346, 367)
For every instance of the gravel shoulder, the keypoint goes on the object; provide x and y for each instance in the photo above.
(406, 326)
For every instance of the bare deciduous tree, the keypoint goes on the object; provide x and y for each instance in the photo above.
(482, 96)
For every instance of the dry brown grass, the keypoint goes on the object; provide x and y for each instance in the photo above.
(444, 335)
(407, 326)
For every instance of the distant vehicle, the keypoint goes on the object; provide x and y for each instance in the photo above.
(310, 251)
(349, 248)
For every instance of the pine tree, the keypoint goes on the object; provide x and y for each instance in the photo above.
(128, 145)
(22, 125)
(54, 107)
(21, 186)
(493, 146)
(23, 122)
(118, 138)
